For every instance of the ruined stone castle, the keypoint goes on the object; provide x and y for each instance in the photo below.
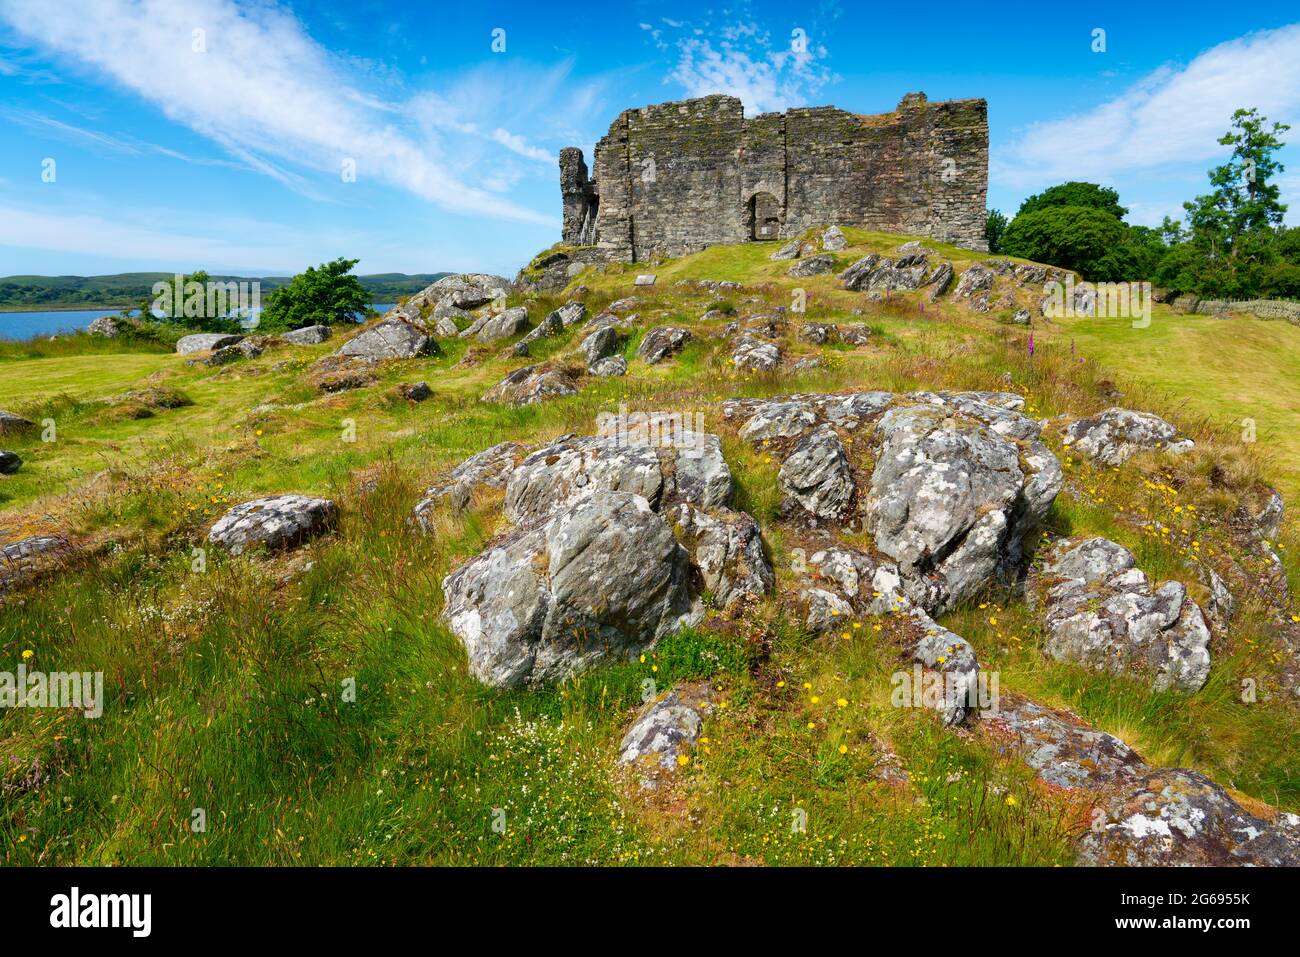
(674, 178)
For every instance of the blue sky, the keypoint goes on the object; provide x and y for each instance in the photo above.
(225, 149)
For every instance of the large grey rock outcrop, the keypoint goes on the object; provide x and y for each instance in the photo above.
(960, 478)
(494, 327)
(958, 484)
(975, 282)
(601, 578)
(487, 469)
(1113, 436)
(794, 415)
(462, 291)
(1062, 749)
(843, 583)
(726, 549)
(535, 383)
(204, 342)
(812, 266)
(307, 335)
(277, 521)
(875, 273)
(1103, 612)
(817, 474)
(1182, 818)
(661, 342)
(748, 352)
(574, 468)
(389, 339)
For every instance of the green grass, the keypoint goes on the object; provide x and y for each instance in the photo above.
(1224, 370)
(227, 688)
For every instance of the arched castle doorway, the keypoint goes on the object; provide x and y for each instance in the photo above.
(764, 216)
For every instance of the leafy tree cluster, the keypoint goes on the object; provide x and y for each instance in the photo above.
(323, 295)
(1233, 244)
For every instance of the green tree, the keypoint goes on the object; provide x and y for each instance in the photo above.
(322, 295)
(1235, 246)
(1244, 199)
(995, 225)
(1074, 237)
(1075, 193)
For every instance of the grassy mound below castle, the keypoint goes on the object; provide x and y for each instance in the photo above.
(224, 685)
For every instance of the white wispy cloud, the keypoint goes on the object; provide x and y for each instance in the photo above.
(263, 90)
(1174, 115)
(168, 238)
(744, 59)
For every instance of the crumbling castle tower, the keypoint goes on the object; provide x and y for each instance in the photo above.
(673, 178)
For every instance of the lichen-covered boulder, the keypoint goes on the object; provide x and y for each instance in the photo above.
(463, 291)
(601, 578)
(532, 384)
(666, 729)
(881, 274)
(1113, 436)
(789, 251)
(1101, 611)
(335, 373)
(390, 339)
(572, 468)
(105, 326)
(846, 582)
(274, 522)
(794, 415)
(204, 342)
(778, 419)
(726, 549)
(494, 327)
(571, 313)
(487, 469)
(661, 342)
(748, 352)
(609, 366)
(812, 266)
(600, 344)
(11, 424)
(976, 281)
(1266, 516)
(817, 474)
(1182, 818)
(307, 335)
(953, 493)
(1063, 750)
(834, 240)
(31, 556)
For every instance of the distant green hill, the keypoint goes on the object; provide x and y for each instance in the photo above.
(127, 289)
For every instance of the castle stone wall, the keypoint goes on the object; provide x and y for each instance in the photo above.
(674, 178)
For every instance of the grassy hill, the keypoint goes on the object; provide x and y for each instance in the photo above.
(223, 684)
(19, 293)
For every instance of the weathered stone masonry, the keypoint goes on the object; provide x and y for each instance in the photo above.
(673, 178)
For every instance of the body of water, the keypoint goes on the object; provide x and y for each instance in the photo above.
(49, 322)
